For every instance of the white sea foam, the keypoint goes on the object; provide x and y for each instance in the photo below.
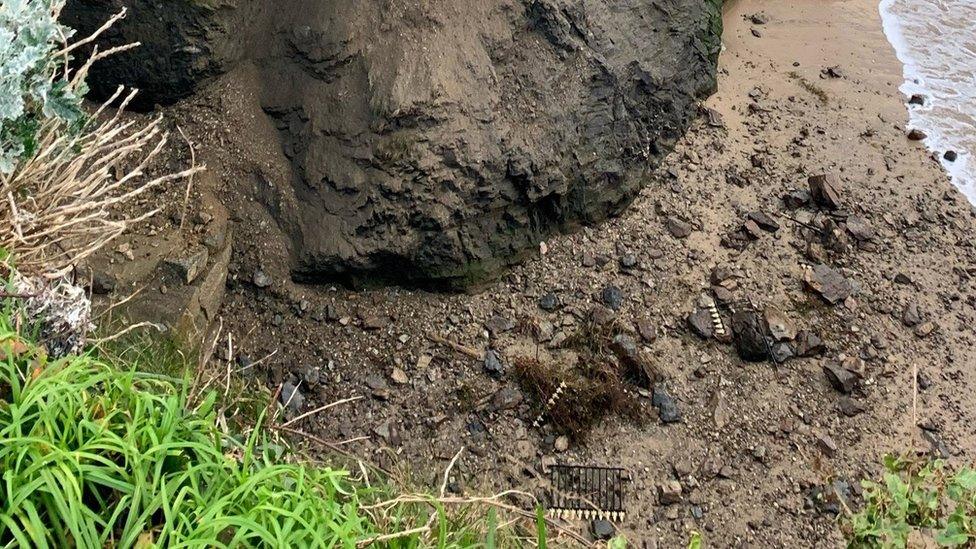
(936, 42)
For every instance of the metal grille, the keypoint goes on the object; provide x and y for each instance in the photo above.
(579, 492)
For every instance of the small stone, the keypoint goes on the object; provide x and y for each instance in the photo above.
(628, 261)
(911, 316)
(261, 279)
(849, 407)
(602, 529)
(588, 260)
(782, 351)
(938, 446)
(612, 297)
(829, 283)
(825, 190)
(841, 378)
(925, 329)
(291, 398)
(780, 326)
(808, 344)
(669, 492)
(950, 156)
(759, 18)
(833, 72)
(722, 294)
(549, 302)
(189, 265)
(625, 347)
(826, 444)
(666, 406)
(721, 413)
(859, 228)
(102, 283)
(700, 322)
(796, 199)
(678, 228)
(499, 324)
(399, 376)
(493, 364)
(916, 99)
(506, 398)
(561, 444)
(600, 315)
(720, 274)
(375, 322)
(388, 432)
(751, 230)
(916, 134)
(756, 32)
(647, 330)
(764, 221)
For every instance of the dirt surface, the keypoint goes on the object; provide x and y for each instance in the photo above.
(807, 88)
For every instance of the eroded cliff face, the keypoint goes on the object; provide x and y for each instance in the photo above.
(439, 140)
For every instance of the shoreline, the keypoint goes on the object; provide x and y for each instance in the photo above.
(755, 440)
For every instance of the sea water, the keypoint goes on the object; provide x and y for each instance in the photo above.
(936, 42)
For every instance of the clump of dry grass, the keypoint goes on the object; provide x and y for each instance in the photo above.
(64, 201)
(589, 393)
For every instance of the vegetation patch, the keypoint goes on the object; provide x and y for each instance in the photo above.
(916, 503)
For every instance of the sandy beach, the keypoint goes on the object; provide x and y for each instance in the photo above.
(763, 454)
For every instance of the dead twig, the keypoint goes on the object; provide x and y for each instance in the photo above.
(473, 353)
(321, 409)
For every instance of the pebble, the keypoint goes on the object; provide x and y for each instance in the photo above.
(612, 297)
(841, 378)
(669, 492)
(829, 283)
(666, 406)
(493, 364)
(678, 228)
(700, 322)
(549, 302)
(291, 397)
(825, 190)
(261, 279)
(602, 529)
(561, 444)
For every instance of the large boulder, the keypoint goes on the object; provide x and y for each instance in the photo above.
(441, 140)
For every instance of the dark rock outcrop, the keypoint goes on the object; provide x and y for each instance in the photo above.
(440, 140)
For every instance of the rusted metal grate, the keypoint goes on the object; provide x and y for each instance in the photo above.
(580, 492)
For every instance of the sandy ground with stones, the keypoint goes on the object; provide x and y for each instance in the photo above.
(868, 278)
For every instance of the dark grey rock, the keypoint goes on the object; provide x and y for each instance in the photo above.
(849, 407)
(612, 297)
(782, 351)
(628, 261)
(841, 378)
(189, 264)
(666, 406)
(291, 397)
(493, 363)
(764, 221)
(700, 322)
(808, 344)
(499, 324)
(825, 190)
(911, 316)
(602, 529)
(747, 332)
(549, 302)
(916, 134)
(950, 156)
(916, 99)
(796, 199)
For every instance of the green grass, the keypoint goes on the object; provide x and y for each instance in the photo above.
(919, 500)
(92, 457)
(109, 449)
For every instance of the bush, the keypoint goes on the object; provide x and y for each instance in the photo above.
(33, 79)
(914, 499)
